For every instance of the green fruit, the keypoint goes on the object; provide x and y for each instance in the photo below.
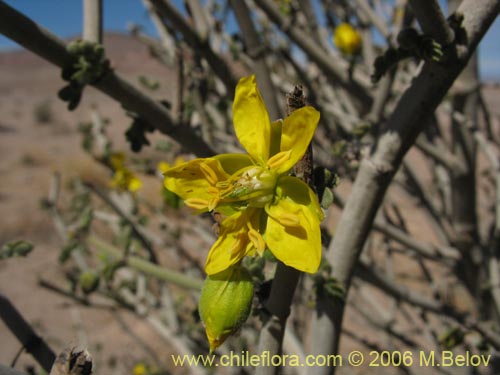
(225, 303)
(89, 281)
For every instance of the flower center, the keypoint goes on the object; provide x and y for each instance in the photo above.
(254, 185)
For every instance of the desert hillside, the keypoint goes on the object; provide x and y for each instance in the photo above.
(32, 148)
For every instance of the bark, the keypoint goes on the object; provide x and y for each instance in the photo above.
(412, 112)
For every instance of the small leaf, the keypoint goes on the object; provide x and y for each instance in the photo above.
(327, 199)
(13, 249)
(89, 281)
(362, 129)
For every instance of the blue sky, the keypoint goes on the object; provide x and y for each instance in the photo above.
(64, 18)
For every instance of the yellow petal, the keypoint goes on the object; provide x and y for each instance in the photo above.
(179, 160)
(134, 183)
(233, 242)
(232, 163)
(275, 136)
(163, 166)
(296, 134)
(194, 179)
(251, 120)
(293, 228)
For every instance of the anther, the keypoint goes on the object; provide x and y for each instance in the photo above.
(279, 159)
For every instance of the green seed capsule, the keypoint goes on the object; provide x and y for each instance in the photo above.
(225, 303)
(89, 281)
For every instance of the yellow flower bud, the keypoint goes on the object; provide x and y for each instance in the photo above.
(225, 302)
(347, 39)
(140, 369)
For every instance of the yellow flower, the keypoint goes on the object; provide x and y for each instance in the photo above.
(123, 178)
(140, 369)
(347, 39)
(265, 206)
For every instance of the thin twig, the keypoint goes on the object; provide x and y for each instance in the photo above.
(432, 20)
(375, 19)
(92, 20)
(198, 43)
(146, 267)
(136, 230)
(35, 38)
(257, 51)
(331, 66)
(20, 328)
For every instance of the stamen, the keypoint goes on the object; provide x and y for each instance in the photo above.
(222, 185)
(237, 245)
(257, 241)
(213, 190)
(289, 220)
(277, 160)
(209, 173)
(196, 203)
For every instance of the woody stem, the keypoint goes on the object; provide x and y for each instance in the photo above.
(285, 278)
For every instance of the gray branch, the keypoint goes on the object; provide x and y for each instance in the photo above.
(330, 66)
(20, 328)
(92, 20)
(199, 43)
(257, 52)
(40, 41)
(376, 171)
(432, 21)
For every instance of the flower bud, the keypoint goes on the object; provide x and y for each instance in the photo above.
(89, 281)
(225, 302)
(347, 39)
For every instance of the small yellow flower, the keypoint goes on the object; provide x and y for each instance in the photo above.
(265, 207)
(123, 178)
(140, 369)
(347, 39)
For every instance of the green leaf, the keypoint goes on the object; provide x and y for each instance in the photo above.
(362, 129)
(89, 281)
(326, 199)
(13, 249)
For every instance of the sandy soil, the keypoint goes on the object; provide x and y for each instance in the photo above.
(30, 152)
